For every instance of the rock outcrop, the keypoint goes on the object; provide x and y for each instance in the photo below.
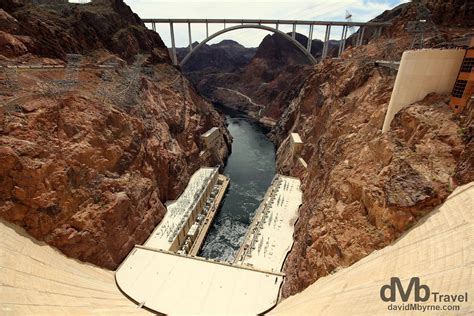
(55, 29)
(451, 12)
(87, 167)
(226, 56)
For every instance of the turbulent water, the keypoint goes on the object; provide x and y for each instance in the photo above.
(251, 168)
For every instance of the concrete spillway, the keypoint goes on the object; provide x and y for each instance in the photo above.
(36, 279)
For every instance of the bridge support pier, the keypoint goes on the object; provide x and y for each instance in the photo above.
(361, 36)
(293, 34)
(207, 29)
(326, 42)
(276, 26)
(379, 31)
(153, 26)
(342, 44)
(173, 46)
(310, 38)
(345, 37)
(190, 38)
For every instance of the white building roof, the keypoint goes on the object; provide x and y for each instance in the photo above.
(210, 132)
(271, 234)
(179, 211)
(296, 138)
(179, 285)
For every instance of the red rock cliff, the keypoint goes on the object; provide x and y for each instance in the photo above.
(80, 169)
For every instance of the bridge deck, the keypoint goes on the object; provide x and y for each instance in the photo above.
(265, 21)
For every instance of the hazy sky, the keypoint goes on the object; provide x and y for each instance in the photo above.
(334, 10)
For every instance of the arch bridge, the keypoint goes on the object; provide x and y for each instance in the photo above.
(272, 26)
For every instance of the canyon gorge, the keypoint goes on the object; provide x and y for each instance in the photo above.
(362, 189)
(88, 164)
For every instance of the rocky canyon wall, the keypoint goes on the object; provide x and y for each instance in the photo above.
(363, 189)
(88, 168)
(261, 82)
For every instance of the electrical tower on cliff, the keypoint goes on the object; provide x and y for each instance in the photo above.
(349, 19)
(423, 25)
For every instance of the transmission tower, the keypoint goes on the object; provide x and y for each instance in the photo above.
(424, 24)
(349, 19)
(104, 88)
(71, 77)
(125, 93)
(10, 79)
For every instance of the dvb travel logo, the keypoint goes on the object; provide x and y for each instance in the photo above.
(421, 296)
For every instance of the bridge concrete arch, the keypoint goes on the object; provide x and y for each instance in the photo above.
(292, 40)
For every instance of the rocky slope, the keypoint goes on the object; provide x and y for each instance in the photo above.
(363, 189)
(86, 167)
(451, 12)
(226, 56)
(267, 83)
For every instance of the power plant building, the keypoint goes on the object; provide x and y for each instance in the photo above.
(296, 144)
(171, 234)
(464, 86)
(210, 137)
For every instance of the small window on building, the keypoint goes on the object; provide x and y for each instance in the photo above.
(467, 65)
(458, 89)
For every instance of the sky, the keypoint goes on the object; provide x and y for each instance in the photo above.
(322, 10)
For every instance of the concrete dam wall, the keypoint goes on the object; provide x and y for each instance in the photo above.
(438, 250)
(37, 279)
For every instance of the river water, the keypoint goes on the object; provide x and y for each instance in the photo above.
(251, 168)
